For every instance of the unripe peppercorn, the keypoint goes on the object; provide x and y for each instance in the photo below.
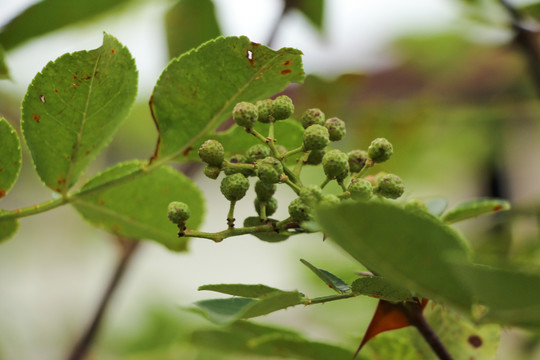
(329, 200)
(264, 191)
(282, 107)
(265, 236)
(269, 170)
(212, 152)
(178, 212)
(312, 117)
(311, 194)
(264, 109)
(360, 189)
(212, 172)
(336, 128)
(316, 137)
(234, 187)
(257, 152)
(390, 186)
(271, 206)
(245, 114)
(357, 160)
(315, 157)
(380, 150)
(299, 210)
(336, 164)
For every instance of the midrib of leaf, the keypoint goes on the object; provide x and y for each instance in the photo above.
(216, 117)
(118, 216)
(81, 130)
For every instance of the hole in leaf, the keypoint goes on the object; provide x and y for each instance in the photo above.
(250, 55)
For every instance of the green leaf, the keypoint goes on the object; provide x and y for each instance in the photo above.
(4, 72)
(131, 202)
(411, 253)
(10, 158)
(198, 90)
(511, 295)
(188, 24)
(49, 15)
(436, 206)
(475, 208)
(531, 9)
(313, 10)
(250, 291)
(73, 108)
(378, 287)
(8, 228)
(226, 311)
(235, 140)
(334, 282)
(461, 338)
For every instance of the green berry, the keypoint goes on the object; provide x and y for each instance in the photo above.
(245, 114)
(212, 152)
(264, 108)
(315, 157)
(269, 170)
(329, 200)
(265, 236)
(312, 117)
(336, 128)
(271, 206)
(257, 152)
(390, 186)
(316, 137)
(360, 189)
(282, 107)
(299, 210)
(234, 187)
(357, 160)
(380, 150)
(212, 171)
(311, 194)
(178, 212)
(336, 164)
(264, 191)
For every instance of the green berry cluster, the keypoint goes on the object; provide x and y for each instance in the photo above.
(268, 162)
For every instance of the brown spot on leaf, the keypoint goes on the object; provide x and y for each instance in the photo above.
(35, 207)
(95, 73)
(186, 152)
(75, 77)
(287, 63)
(101, 202)
(113, 51)
(42, 98)
(36, 117)
(56, 90)
(87, 152)
(87, 77)
(497, 207)
(75, 122)
(475, 341)
(2, 193)
(255, 44)
(1, 169)
(58, 190)
(165, 190)
(286, 71)
(61, 181)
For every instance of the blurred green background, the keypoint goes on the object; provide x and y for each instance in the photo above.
(443, 80)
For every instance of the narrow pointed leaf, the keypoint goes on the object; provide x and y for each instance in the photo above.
(198, 90)
(10, 158)
(474, 208)
(183, 18)
(8, 228)
(411, 253)
(73, 108)
(49, 15)
(249, 291)
(378, 287)
(334, 282)
(227, 311)
(131, 202)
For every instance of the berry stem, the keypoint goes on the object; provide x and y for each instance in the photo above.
(237, 166)
(263, 210)
(369, 163)
(230, 215)
(300, 163)
(292, 152)
(324, 183)
(258, 135)
(292, 185)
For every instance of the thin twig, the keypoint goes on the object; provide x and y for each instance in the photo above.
(127, 250)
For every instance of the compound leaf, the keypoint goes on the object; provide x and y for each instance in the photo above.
(411, 253)
(475, 208)
(334, 282)
(181, 21)
(10, 159)
(131, 202)
(73, 108)
(197, 91)
(249, 291)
